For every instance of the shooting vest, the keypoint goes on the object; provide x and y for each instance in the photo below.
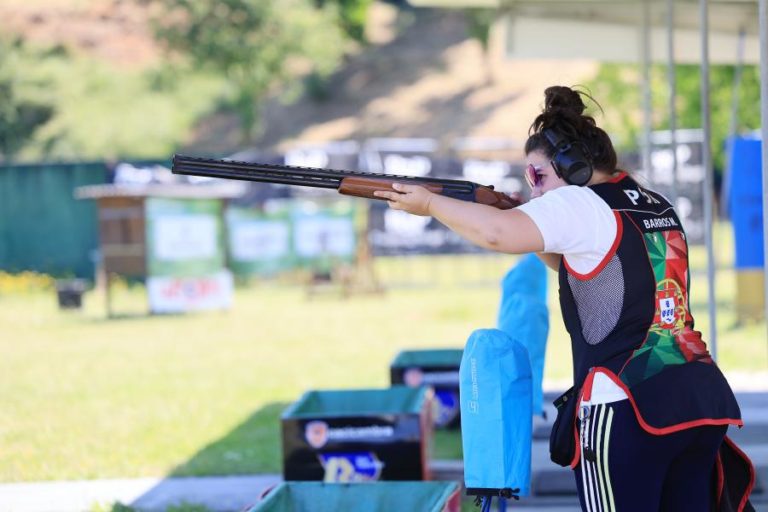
(630, 318)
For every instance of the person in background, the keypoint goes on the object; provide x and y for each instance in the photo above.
(651, 407)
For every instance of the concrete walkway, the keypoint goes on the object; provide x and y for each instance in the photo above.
(553, 487)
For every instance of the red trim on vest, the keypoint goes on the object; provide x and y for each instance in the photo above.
(577, 450)
(618, 177)
(600, 266)
(720, 478)
(748, 491)
(660, 431)
(586, 394)
(577, 455)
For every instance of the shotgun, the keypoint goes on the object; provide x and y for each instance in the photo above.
(351, 183)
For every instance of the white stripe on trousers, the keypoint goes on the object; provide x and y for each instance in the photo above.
(591, 476)
(595, 476)
(586, 477)
(584, 486)
(601, 459)
(608, 487)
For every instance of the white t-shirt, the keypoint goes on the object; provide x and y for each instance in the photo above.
(575, 222)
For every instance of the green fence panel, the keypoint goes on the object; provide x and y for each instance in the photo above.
(43, 227)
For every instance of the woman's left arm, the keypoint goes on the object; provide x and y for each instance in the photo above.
(510, 231)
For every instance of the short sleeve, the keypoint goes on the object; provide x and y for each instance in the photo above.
(575, 222)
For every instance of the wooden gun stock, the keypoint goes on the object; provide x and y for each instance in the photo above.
(486, 195)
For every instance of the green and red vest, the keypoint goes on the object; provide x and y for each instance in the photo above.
(631, 318)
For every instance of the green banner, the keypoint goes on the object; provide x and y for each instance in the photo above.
(260, 240)
(323, 233)
(184, 237)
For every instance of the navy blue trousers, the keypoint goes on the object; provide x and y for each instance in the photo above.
(625, 469)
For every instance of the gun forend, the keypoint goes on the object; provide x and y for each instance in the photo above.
(365, 187)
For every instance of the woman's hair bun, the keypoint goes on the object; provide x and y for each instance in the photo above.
(559, 98)
(564, 113)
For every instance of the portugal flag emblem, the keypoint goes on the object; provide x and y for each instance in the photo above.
(667, 308)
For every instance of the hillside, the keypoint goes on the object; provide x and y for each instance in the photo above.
(116, 31)
(421, 76)
(430, 80)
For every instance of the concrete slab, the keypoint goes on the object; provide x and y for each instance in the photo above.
(150, 494)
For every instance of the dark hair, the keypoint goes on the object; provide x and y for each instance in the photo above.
(564, 113)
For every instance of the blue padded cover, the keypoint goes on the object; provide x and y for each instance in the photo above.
(523, 314)
(495, 401)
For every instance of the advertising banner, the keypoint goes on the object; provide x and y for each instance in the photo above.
(394, 232)
(362, 435)
(323, 233)
(185, 255)
(169, 294)
(260, 240)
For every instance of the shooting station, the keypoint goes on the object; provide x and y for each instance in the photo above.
(360, 435)
(438, 369)
(169, 236)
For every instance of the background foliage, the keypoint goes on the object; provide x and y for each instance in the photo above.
(617, 88)
(256, 45)
(229, 55)
(26, 102)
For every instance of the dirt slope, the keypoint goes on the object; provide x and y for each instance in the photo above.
(429, 81)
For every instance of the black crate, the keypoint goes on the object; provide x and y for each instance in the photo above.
(70, 293)
(437, 368)
(358, 435)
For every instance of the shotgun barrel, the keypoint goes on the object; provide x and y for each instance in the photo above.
(353, 183)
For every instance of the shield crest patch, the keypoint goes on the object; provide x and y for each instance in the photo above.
(667, 310)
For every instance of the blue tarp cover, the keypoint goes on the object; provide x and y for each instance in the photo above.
(495, 398)
(523, 314)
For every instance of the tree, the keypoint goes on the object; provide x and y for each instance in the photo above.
(258, 45)
(617, 88)
(24, 103)
(479, 23)
(352, 16)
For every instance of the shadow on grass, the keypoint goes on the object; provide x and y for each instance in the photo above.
(253, 447)
(238, 468)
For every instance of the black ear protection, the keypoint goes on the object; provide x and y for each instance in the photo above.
(572, 162)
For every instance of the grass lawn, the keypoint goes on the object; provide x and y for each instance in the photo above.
(199, 394)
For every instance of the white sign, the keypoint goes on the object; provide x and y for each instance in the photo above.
(404, 224)
(415, 165)
(485, 172)
(180, 294)
(308, 157)
(259, 240)
(317, 236)
(184, 237)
